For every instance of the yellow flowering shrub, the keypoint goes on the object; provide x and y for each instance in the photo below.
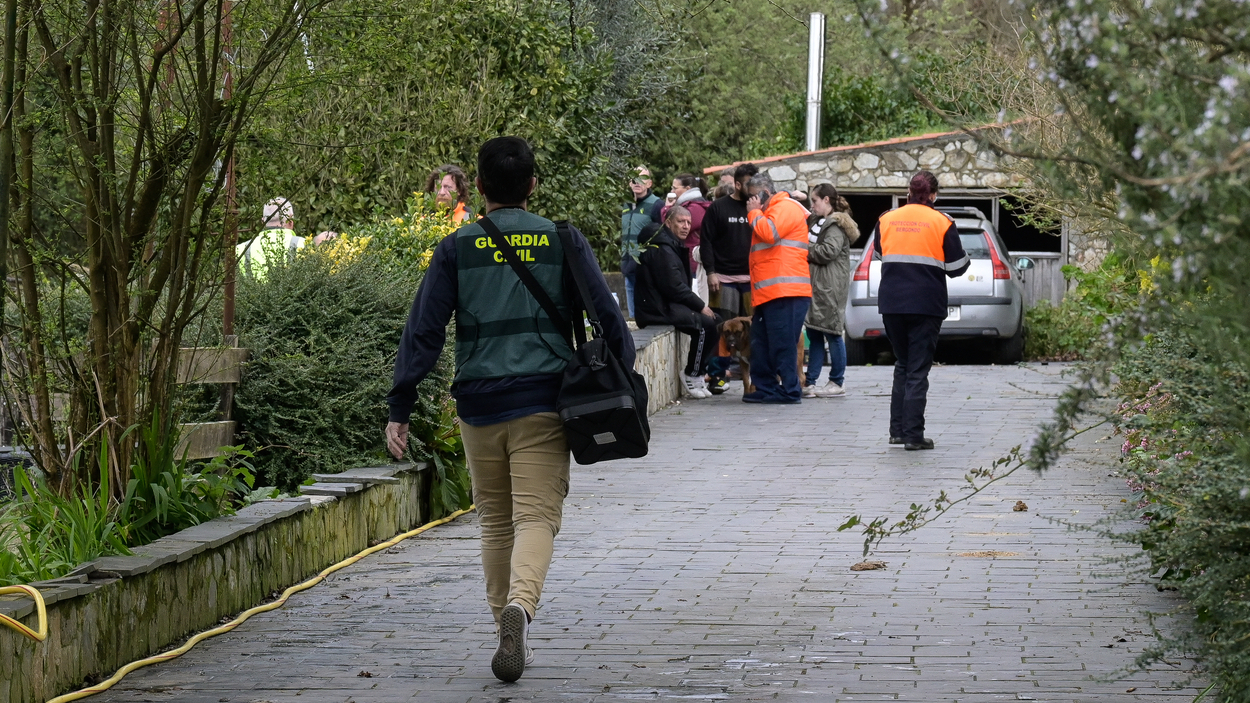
(407, 241)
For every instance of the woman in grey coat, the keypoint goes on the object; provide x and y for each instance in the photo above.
(829, 256)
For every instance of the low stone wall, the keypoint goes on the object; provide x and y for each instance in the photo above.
(118, 609)
(661, 358)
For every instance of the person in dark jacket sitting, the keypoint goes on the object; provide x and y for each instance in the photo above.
(664, 295)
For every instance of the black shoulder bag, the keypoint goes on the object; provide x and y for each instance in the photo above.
(602, 404)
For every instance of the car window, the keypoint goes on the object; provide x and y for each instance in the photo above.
(974, 244)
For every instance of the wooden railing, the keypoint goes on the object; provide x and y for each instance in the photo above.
(216, 365)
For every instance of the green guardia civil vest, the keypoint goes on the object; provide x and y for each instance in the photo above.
(501, 330)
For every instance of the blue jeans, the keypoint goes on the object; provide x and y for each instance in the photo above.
(816, 357)
(629, 292)
(775, 331)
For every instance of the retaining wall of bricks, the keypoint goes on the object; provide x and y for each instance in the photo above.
(661, 357)
(118, 609)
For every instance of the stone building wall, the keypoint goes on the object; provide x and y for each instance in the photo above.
(957, 159)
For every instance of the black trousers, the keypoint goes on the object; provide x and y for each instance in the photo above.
(914, 339)
(704, 341)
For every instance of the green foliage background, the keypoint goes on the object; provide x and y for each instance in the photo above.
(389, 90)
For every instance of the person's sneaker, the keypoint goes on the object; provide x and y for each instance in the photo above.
(717, 385)
(925, 443)
(896, 440)
(696, 387)
(829, 390)
(513, 653)
(809, 391)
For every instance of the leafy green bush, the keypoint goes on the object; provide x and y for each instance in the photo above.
(323, 328)
(1074, 329)
(44, 534)
(163, 496)
(1183, 420)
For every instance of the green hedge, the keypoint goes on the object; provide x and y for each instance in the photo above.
(1075, 329)
(1185, 450)
(323, 328)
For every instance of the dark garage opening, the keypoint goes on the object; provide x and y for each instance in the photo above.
(866, 209)
(1014, 226)
(1019, 234)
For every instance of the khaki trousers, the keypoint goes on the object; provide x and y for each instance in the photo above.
(520, 472)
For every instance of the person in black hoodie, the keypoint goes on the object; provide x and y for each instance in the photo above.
(664, 295)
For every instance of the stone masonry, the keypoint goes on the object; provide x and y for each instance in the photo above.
(958, 159)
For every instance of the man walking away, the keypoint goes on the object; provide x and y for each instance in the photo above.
(510, 358)
(725, 249)
(634, 217)
(665, 297)
(781, 290)
(919, 247)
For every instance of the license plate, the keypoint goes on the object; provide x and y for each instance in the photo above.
(952, 313)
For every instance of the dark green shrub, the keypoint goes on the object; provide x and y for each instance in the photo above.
(1074, 329)
(323, 328)
(1185, 451)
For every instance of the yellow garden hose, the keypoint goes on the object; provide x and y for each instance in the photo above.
(37, 635)
(122, 672)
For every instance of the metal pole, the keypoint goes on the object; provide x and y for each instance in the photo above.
(231, 230)
(815, 77)
(230, 233)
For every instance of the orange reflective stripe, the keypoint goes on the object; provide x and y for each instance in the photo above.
(779, 251)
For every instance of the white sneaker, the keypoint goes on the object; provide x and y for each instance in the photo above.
(696, 387)
(830, 390)
(513, 652)
(810, 391)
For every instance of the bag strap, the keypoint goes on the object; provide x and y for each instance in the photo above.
(527, 277)
(579, 277)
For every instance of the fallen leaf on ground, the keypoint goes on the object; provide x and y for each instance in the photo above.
(868, 566)
(1020, 507)
(365, 675)
(988, 554)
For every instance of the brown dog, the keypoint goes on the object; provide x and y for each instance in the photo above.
(735, 340)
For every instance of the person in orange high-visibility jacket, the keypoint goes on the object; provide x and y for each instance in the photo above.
(781, 290)
(919, 248)
(450, 187)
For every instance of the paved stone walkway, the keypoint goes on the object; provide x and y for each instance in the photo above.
(713, 571)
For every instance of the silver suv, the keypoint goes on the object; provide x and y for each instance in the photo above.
(986, 302)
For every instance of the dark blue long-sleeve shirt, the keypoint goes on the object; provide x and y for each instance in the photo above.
(489, 401)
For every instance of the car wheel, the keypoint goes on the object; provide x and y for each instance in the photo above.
(1010, 350)
(858, 352)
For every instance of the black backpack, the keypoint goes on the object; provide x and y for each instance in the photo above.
(602, 404)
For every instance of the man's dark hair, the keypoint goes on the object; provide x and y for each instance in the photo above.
(745, 172)
(923, 185)
(505, 165)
